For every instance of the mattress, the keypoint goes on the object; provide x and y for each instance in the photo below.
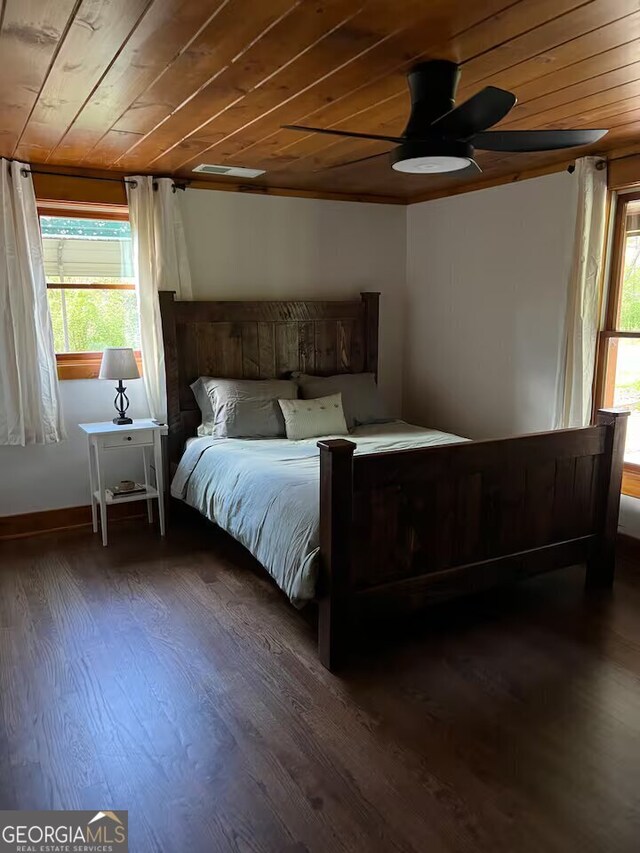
(265, 493)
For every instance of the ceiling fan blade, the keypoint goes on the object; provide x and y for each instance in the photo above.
(534, 140)
(486, 108)
(353, 162)
(343, 133)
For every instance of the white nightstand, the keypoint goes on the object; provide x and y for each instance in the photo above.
(105, 437)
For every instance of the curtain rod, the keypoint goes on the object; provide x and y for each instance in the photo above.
(25, 171)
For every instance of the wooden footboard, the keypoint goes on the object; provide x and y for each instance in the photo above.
(400, 529)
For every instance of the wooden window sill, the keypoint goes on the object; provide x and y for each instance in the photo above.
(84, 365)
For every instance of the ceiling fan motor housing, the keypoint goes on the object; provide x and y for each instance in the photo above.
(432, 86)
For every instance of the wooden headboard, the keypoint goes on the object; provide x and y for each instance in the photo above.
(259, 340)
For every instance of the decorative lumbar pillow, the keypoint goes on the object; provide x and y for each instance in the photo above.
(360, 395)
(243, 408)
(310, 418)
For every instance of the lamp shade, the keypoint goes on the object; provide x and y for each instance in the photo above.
(119, 363)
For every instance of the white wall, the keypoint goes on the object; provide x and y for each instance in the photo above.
(257, 247)
(486, 299)
(49, 476)
(478, 325)
(486, 294)
(241, 247)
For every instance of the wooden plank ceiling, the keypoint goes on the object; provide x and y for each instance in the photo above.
(159, 86)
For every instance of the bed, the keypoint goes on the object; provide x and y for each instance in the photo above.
(264, 492)
(400, 522)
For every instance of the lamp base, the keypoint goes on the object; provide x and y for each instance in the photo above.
(121, 403)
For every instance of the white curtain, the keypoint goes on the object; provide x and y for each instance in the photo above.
(30, 411)
(161, 263)
(575, 385)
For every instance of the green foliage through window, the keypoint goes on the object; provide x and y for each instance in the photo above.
(90, 320)
(630, 297)
(90, 251)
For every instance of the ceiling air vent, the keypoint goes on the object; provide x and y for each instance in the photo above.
(231, 171)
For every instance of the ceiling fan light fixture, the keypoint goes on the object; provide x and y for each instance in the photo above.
(432, 164)
(431, 157)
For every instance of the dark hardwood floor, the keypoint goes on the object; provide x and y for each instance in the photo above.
(173, 680)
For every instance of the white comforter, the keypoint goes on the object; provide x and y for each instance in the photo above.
(265, 493)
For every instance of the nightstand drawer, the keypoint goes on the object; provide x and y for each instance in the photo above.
(126, 439)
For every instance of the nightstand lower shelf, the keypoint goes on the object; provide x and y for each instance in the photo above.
(148, 494)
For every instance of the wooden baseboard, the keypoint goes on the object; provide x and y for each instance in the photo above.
(47, 521)
(66, 518)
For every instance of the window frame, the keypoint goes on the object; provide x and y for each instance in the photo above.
(84, 365)
(605, 376)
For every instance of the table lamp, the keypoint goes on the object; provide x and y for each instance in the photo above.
(119, 363)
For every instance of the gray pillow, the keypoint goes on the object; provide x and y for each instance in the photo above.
(242, 408)
(199, 389)
(361, 398)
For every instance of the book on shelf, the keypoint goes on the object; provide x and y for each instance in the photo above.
(117, 492)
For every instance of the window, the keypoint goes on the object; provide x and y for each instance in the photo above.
(618, 380)
(89, 268)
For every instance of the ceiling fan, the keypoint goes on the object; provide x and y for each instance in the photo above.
(442, 137)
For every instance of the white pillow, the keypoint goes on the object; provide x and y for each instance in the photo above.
(309, 418)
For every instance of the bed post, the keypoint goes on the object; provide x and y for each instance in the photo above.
(371, 302)
(602, 560)
(336, 506)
